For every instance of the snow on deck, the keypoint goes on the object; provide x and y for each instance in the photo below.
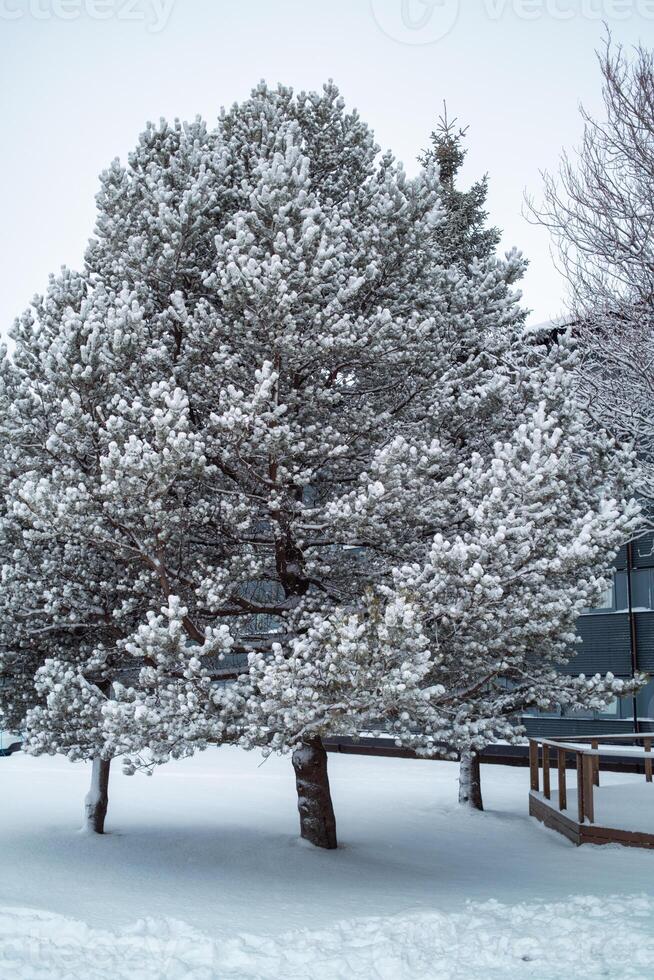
(622, 801)
(202, 877)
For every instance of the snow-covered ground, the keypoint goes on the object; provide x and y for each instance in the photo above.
(202, 877)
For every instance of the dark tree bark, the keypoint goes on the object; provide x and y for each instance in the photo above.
(470, 781)
(97, 798)
(317, 820)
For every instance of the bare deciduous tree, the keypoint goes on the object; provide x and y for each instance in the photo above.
(600, 211)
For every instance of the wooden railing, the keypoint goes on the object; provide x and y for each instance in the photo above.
(587, 762)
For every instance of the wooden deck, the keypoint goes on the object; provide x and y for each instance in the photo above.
(584, 833)
(547, 754)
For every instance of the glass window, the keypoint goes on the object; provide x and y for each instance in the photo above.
(641, 588)
(606, 599)
(605, 602)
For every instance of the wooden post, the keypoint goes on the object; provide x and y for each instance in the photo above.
(563, 796)
(589, 774)
(595, 745)
(533, 764)
(647, 742)
(546, 772)
(580, 788)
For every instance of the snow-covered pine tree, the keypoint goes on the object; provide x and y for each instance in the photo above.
(267, 309)
(103, 478)
(90, 499)
(361, 317)
(465, 236)
(251, 321)
(326, 278)
(54, 591)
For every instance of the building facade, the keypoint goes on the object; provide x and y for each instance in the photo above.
(618, 636)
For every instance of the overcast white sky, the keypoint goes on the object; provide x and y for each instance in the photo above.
(79, 78)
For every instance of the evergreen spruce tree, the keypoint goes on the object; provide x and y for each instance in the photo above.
(464, 236)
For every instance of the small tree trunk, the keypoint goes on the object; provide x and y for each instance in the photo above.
(317, 820)
(97, 798)
(470, 781)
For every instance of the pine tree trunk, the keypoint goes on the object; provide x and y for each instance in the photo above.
(317, 820)
(97, 798)
(470, 781)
